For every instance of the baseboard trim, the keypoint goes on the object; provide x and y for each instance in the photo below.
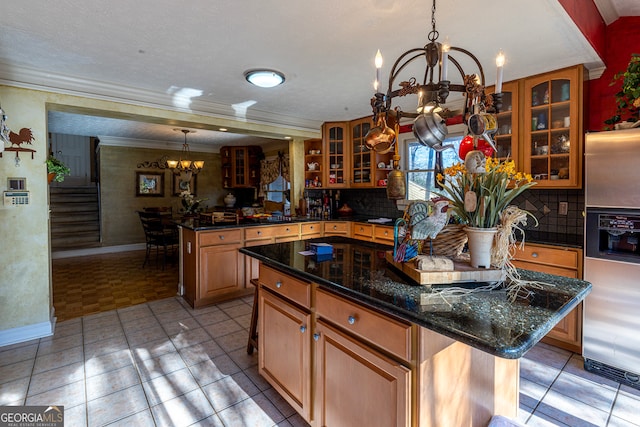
(98, 251)
(27, 333)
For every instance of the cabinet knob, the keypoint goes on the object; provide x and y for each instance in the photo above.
(221, 237)
(259, 233)
(303, 329)
(287, 229)
(316, 337)
(386, 232)
(311, 227)
(278, 284)
(534, 254)
(361, 229)
(335, 227)
(351, 320)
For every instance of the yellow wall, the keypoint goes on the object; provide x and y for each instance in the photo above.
(25, 267)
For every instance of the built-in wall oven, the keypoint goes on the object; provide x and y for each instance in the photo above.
(611, 328)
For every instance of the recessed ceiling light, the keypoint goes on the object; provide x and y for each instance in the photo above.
(223, 129)
(287, 137)
(264, 78)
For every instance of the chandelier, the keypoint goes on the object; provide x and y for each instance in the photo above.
(185, 167)
(429, 127)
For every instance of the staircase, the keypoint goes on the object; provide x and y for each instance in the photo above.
(75, 218)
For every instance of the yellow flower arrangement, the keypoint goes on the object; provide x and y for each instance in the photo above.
(478, 199)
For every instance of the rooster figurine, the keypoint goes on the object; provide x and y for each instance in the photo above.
(427, 225)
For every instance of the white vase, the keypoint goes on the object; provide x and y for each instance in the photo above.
(230, 200)
(480, 241)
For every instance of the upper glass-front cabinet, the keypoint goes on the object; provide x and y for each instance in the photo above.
(336, 155)
(552, 128)
(506, 138)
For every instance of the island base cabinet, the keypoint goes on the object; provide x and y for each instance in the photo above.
(221, 274)
(284, 350)
(357, 386)
(459, 385)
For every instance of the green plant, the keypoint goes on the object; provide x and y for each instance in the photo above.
(56, 166)
(628, 98)
(492, 191)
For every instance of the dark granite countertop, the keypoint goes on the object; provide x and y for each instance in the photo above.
(486, 320)
(197, 225)
(532, 236)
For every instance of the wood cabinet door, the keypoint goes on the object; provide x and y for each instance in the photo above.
(552, 148)
(506, 138)
(221, 270)
(335, 149)
(362, 158)
(356, 386)
(284, 356)
(567, 333)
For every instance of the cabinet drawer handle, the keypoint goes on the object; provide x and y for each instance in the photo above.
(221, 237)
(335, 227)
(316, 337)
(259, 233)
(534, 254)
(311, 227)
(287, 229)
(303, 329)
(351, 320)
(278, 284)
(361, 229)
(386, 232)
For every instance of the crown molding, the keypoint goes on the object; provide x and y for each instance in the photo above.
(28, 78)
(607, 10)
(113, 141)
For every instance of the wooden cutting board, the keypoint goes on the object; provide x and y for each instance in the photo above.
(462, 272)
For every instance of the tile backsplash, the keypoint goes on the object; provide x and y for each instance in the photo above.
(543, 204)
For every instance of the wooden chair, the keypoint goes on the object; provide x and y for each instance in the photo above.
(160, 233)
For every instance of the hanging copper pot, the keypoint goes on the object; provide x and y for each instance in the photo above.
(380, 137)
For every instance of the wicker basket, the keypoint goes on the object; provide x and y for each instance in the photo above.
(449, 242)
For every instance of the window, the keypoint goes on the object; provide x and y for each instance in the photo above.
(278, 190)
(420, 163)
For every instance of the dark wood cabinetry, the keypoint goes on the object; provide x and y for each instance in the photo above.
(240, 166)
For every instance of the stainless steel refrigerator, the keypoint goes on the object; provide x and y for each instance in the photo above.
(611, 328)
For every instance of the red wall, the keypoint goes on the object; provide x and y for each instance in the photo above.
(587, 17)
(614, 44)
(622, 38)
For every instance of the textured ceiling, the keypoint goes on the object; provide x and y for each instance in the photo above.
(191, 56)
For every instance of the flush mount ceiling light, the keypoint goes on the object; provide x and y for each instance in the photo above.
(264, 78)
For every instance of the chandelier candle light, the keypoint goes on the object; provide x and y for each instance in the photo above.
(429, 127)
(185, 167)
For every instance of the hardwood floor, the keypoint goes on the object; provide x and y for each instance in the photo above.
(97, 283)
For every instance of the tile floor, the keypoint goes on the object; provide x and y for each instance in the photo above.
(162, 363)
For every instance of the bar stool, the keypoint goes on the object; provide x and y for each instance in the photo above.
(253, 330)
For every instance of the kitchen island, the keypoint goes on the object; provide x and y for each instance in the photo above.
(351, 341)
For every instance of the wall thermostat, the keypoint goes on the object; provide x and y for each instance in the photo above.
(16, 198)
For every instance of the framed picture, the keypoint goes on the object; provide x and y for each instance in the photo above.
(179, 185)
(150, 184)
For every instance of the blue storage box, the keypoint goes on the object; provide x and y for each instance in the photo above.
(321, 248)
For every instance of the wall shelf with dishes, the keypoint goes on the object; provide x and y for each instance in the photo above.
(313, 163)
